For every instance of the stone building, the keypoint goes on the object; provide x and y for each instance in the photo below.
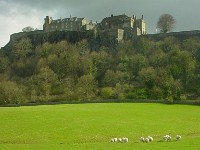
(127, 27)
(67, 24)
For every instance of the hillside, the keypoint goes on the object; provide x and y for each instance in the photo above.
(77, 66)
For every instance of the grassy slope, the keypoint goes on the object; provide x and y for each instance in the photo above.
(91, 126)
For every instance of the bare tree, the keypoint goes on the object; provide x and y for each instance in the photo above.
(166, 23)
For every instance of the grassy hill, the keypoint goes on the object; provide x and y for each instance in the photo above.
(91, 126)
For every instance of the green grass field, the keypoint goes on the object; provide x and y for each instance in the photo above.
(91, 126)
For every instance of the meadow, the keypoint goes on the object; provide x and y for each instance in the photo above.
(91, 126)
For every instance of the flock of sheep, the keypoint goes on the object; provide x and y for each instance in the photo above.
(121, 140)
(146, 140)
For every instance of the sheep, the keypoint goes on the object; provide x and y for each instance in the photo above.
(150, 138)
(114, 140)
(125, 140)
(178, 137)
(142, 139)
(167, 138)
(119, 139)
(147, 140)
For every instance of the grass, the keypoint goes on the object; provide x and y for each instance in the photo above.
(91, 126)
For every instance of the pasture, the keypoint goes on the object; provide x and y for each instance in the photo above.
(91, 126)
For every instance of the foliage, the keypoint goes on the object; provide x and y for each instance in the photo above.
(11, 93)
(4, 64)
(107, 93)
(86, 87)
(139, 69)
(28, 29)
(22, 49)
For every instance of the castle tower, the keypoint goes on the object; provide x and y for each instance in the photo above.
(143, 26)
(47, 22)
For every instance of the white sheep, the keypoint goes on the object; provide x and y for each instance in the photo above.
(114, 140)
(150, 138)
(142, 139)
(147, 140)
(119, 139)
(124, 139)
(178, 137)
(167, 138)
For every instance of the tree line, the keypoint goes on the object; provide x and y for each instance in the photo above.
(141, 69)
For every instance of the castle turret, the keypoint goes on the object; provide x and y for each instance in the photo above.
(143, 26)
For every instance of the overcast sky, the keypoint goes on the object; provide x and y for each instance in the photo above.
(17, 14)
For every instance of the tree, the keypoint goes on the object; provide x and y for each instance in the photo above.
(21, 59)
(170, 43)
(166, 23)
(64, 60)
(107, 93)
(4, 64)
(28, 29)
(148, 77)
(86, 87)
(43, 83)
(182, 66)
(11, 93)
(22, 48)
(112, 78)
(102, 62)
(136, 63)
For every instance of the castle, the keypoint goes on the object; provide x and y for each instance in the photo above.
(119, 27)
(67, 24)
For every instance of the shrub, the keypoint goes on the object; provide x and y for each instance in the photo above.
(10, 93)
(107, 92)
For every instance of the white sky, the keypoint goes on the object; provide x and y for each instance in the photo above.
(17, 14)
